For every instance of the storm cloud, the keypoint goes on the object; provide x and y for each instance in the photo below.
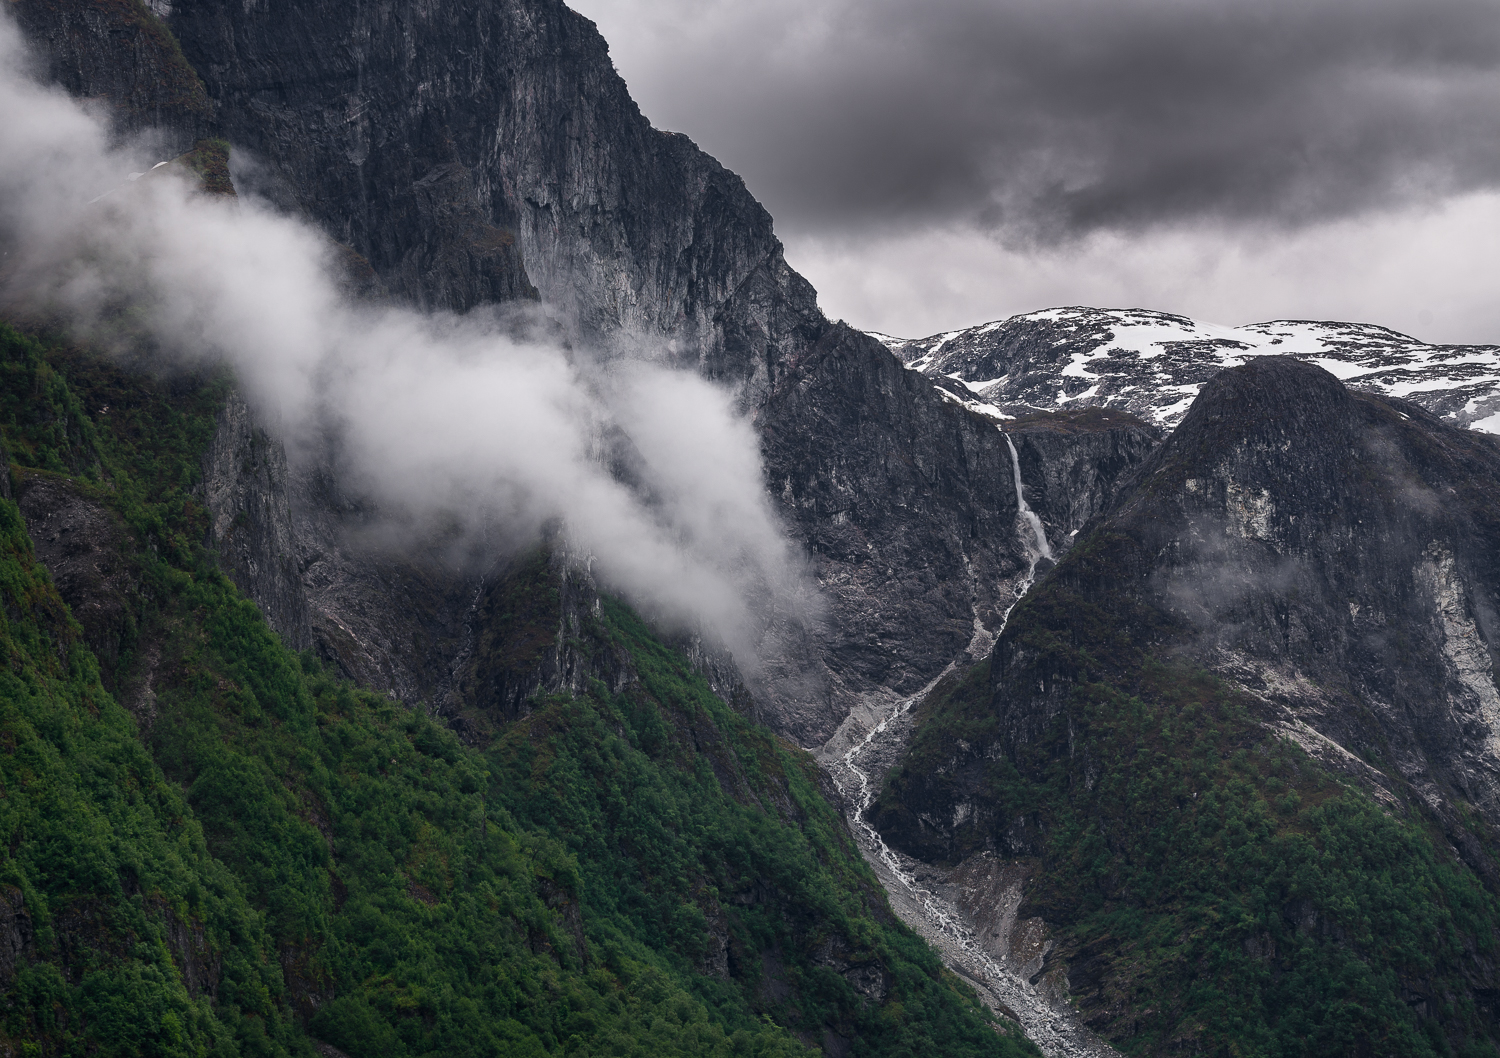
(1042, 121)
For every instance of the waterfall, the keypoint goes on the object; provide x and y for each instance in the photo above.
(1027, 514)
(1051, 1025)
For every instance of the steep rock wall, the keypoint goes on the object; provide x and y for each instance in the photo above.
(120, 54)
(1071, 462)
(638, 237)
(244, 488)
(477, 154)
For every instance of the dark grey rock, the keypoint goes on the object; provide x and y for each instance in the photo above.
(488, 153)
(1334, 554)
(244, 489)
(355, 115)
(122, 55)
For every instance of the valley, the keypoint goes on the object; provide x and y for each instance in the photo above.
(463, 596)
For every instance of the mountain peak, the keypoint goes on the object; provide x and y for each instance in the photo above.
(1154, 363)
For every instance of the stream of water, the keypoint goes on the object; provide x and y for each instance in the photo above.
(1049, 1023)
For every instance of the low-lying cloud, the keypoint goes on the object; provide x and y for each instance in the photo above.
(441, 420)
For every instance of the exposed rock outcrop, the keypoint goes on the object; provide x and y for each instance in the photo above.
(245, 489)
(1334, 554)
(1298, 562)
(1337, 554)
(1072, 461)
(120, 54)
(404, 154)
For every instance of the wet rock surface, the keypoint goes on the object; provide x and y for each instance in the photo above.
(1338, 554)
(1072, 460)
(636, 239)
(121, 54)
(1334, 553)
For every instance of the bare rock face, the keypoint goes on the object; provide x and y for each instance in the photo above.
(908, 507)
(17, 936)
(530, 629)
(120, 53)
(1072, 460)
(363, 120)
(1338, 554)
(245, 481)
(383, 125)
(389, 617)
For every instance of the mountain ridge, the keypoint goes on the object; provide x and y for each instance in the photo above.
(1153, 363)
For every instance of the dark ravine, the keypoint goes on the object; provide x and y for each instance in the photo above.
(1072, 461)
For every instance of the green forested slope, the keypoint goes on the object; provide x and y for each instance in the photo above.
(264, 856)
(1213, 890)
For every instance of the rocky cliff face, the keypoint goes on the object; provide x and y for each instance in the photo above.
(1335, 553)
(245, 491)
(525, 164)
(1330, 553)
(120, 54)
(1323, 559)
(1293, 597)
(84, 547)
(1072, 461)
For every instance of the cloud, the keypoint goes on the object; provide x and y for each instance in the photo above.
(1425, 271)
(1044, 121)
(441, 420)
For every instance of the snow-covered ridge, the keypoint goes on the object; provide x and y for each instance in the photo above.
(1152, 364)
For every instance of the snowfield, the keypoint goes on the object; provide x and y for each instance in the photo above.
(1153, 363)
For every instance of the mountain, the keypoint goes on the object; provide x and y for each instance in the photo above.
(1245, 732)
(1153, 364)
(527, 172)
(1155, 681)
(218, 845)
(244, 831)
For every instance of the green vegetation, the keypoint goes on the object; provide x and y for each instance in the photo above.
(264, 856)
(1219, 892)
(209, 160)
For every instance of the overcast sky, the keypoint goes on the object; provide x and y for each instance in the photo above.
(938, 163)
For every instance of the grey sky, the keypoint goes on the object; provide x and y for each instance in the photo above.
(1228, 156)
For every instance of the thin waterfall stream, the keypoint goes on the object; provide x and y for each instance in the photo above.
(1050, 1023)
